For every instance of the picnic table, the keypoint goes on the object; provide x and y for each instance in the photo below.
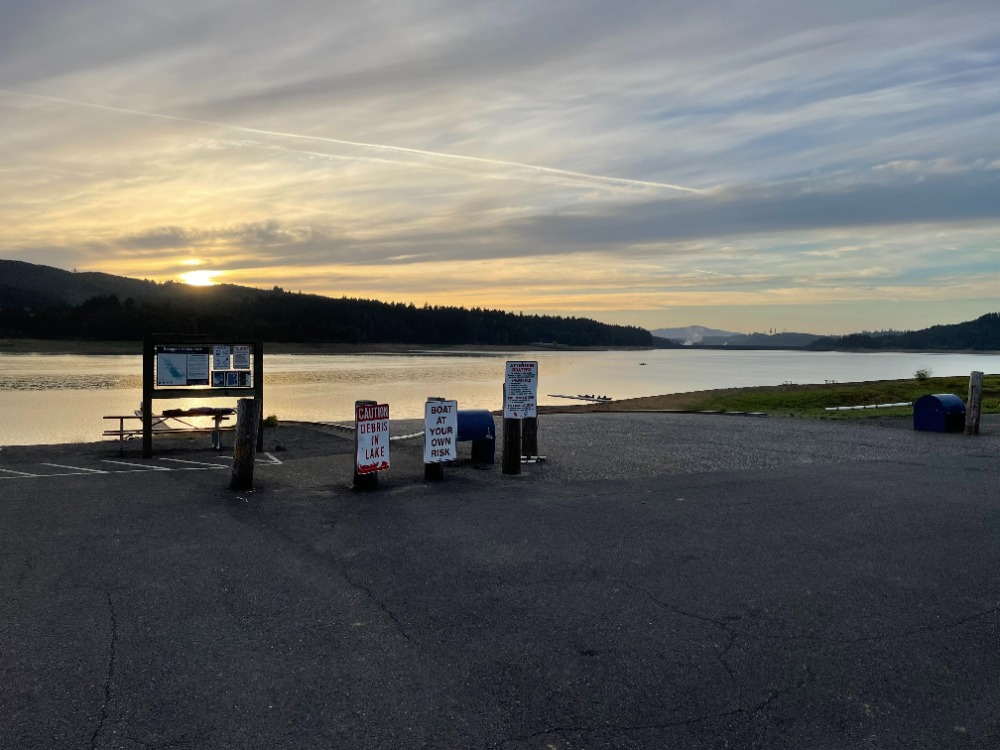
(173, 421)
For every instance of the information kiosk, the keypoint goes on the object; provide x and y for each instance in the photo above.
(178, 366)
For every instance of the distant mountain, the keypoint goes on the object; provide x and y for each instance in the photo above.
(43, 302)
(28, 284)
(981, 334)
(701, 336)
(785, 338)
(693, 334)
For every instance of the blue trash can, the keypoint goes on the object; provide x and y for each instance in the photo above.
(942, 412)
(477, 425)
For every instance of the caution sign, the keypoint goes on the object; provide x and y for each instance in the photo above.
(440, 431)
(520, 390)
(372, 433)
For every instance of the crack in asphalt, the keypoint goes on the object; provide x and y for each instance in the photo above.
(884, 637)
(750, 711)
(29, 566)
(721, 656)
(722, 624)
(382, 606)
(112, 649)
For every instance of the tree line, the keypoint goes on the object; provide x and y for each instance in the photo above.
(981, 334)
(280, 316)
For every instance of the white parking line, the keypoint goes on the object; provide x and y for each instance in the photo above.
(147, 467)
(273, 460)
(196, 463)
(76, 468)
(135, 468)
(18, 473)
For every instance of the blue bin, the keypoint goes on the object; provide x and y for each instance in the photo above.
(477, 425)
(942, 412)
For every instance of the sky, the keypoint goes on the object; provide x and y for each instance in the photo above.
(779, 164)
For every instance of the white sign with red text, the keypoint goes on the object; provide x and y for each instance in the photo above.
(372, 430)
(440, 431)
(520, 390)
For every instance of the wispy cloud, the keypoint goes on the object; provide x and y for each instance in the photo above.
(627, 159)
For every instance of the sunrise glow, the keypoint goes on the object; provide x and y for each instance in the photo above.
(199, 278)
(834, 167)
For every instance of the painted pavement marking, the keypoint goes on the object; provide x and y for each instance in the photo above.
(147, 467)
(80, 469)
(199, 464)
(134, 468)
(18, 474)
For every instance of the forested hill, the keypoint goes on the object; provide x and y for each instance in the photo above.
(981, 334)
(43, 302)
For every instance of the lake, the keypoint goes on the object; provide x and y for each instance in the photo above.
(47, 398)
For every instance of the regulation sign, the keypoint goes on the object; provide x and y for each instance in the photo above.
(220, 357)
(440, 431)
(520, 390)
(181, 365)
(241, 356)
(372, 432)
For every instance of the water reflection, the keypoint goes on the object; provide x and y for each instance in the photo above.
(63, 398)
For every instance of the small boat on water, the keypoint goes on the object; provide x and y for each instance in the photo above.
(584, 397)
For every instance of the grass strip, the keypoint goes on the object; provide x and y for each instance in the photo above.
(811, 401)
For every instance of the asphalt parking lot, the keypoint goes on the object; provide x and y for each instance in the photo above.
(661, 580)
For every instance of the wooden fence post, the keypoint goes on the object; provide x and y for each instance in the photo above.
(247, 425)
(511, 446)
(974, 406)
(529, 437)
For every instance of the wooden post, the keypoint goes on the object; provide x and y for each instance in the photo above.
(529, 437)
(258, 389)
(974, 406)
(148, 378)
(247, 425)
(511, 446)
(362, 481)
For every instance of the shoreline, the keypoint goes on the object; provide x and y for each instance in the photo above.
(73, 346)
(76, 346)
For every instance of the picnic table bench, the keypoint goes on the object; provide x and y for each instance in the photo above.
(166, 423)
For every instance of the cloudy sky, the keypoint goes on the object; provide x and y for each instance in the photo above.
(788, 164)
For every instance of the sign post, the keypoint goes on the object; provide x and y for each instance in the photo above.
(371, 437)
(440, 436)
(520, 397)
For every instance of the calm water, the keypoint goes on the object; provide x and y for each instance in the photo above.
(62, 398)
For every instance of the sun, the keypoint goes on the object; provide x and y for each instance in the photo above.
(199, 278)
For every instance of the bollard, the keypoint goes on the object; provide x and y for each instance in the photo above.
(974, 405)
(362, 481)
(244, 445)
(511, 446)
(529, 437)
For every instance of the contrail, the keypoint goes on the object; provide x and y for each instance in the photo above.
(375, 146)
(714, 273)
